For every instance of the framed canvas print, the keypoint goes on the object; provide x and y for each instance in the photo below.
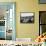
(26, 17)
(7, 20)
(42, 1)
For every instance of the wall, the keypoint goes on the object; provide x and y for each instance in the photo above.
(27, 30)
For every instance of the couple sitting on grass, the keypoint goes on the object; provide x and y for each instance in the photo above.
(41, 38)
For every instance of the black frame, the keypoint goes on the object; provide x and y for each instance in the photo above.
(41, 2)
(39, 22)
(27, 22)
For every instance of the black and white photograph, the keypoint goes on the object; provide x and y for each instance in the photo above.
(27, 17)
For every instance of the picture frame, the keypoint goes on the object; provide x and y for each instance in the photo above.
(42, 1)
(27, 17)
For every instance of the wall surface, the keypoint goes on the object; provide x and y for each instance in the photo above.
(27, 30)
